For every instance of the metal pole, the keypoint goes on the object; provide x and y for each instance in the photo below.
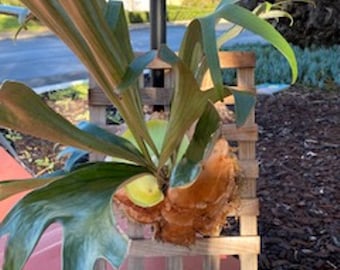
(158, 23)
(158, 37)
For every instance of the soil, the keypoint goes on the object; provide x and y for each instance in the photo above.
(298, 151)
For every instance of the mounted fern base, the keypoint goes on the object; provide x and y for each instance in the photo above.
(199, 209)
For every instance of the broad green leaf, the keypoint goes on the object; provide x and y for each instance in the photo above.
(23, 110)
(11, 187)
(189, 167)
(82, 203)
(244, 103)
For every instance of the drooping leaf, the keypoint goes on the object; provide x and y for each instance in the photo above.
(249, 21)
(82, 203)
(23, 110)
(197, 47)
(189, 167)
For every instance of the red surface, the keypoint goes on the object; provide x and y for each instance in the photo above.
(47, 253)
(10, 169)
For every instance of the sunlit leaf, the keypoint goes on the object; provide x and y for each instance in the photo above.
(82, 203)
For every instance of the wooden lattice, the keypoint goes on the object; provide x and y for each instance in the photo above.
(247, 244)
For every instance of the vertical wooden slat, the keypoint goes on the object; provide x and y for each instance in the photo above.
(98, 117)
(248, 224)
(211, 262)
(135, 231)
(174, 263)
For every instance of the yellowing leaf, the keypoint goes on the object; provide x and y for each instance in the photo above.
(144, 191)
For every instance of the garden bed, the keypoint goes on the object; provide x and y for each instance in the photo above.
(298, 151)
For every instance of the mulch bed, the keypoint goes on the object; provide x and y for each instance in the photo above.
(298, 151)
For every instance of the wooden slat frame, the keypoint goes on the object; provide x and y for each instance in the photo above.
(229, 245)
(247, 245)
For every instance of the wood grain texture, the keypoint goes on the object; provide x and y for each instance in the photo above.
(231, 245)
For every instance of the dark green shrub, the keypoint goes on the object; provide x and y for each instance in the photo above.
(318, 67)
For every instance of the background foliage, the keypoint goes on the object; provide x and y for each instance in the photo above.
(319, 25)
(318, 66)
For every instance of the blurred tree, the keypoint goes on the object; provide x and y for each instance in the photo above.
(313, 25)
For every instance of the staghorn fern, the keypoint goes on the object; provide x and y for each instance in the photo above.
(81, 200)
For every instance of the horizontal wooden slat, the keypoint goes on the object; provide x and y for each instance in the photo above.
(243, 133)
(237, 59)
(228, 59)
(230, 131)
(96, 97)
(156, 96)
(208, 246)
(150, 96)
(157, 63)
(248, 207)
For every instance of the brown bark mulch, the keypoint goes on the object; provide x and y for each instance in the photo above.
(299, 155)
